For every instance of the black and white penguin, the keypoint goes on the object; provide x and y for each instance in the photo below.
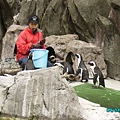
(82, 69)
(68, 71)
(51, 54)
(29, 65)
(97, 74)
(67, 67)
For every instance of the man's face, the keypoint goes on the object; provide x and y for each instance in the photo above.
(33, 26)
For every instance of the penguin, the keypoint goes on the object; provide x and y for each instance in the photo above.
(68, 71)
(70, 58)
(82, 69)
(97, 74)
(29, 65)
(51, 54)
(67, 67)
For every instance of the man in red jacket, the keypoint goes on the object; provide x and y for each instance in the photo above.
(30, 38)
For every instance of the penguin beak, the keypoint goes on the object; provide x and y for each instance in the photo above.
(59, 64)
(89, 63)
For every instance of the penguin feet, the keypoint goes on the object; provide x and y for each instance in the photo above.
(84, 80)
(77, 78)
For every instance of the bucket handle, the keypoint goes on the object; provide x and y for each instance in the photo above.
(41, 56)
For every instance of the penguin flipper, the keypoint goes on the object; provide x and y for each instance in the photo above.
(102, 82)
(95, 78)
(29, 65)
(85, 75)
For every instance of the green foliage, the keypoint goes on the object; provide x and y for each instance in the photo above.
(106, 97)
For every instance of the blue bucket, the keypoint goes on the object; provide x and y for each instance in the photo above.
(40, 57)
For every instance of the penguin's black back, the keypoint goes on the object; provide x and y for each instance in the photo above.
(51, 51)
(85, 74)
(69, 66)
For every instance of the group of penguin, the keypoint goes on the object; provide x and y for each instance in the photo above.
(81, 73)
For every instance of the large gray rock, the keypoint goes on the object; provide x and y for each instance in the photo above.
(42, 94)
(5, 19)
(111, 37)
(2, 32)
(9, 66)
(54, 21)
(28, 8)
(9, 41)
(83, 14)
(6, 13)
(15, 5)
(5, 84)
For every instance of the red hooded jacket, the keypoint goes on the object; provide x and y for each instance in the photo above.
(25, 40)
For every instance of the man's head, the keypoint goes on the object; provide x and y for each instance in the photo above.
(33, 23)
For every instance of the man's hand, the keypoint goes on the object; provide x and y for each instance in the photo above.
(39, 44)
(42, 42)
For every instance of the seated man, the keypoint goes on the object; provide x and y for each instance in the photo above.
(30, 38)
